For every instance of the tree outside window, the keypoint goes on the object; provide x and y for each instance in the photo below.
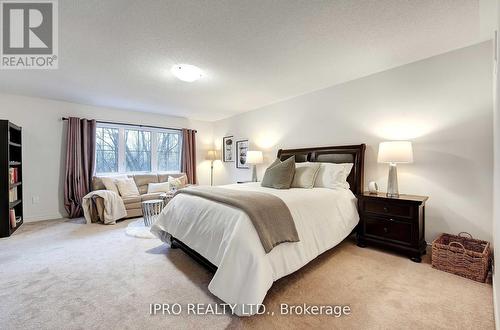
(169, 151)
(126, 149)
(106, 150)
(137, 151)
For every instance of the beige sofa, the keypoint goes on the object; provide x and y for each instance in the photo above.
(133, 204)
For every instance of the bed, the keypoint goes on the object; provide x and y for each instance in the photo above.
(223, 238)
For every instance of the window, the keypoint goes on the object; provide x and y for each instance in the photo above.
(169, 154)
(106, 149)
(126, 149)
(137, 151)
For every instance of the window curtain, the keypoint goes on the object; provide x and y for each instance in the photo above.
(80, 163)
(189, 154)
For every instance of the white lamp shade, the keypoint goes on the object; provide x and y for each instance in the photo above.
(254, 157)
(395, 152)
(211, 155)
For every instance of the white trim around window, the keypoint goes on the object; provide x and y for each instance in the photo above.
(172, 161)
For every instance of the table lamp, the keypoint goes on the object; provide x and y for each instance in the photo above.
(211, 156)
(394, 152)
(254, 157)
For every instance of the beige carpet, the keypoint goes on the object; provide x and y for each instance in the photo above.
(62, 274)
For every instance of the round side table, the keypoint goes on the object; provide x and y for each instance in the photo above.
(167, 197)
(151, 210)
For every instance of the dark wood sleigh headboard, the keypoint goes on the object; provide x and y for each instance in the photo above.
(337, 154)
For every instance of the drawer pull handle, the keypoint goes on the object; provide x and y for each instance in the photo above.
(391, 220)
(386, 209)
(386, 230)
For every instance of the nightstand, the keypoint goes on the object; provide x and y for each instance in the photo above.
(394, 223)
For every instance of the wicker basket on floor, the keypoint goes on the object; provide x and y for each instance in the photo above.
(462, 255)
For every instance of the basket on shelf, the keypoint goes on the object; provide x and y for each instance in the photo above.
(462, 255)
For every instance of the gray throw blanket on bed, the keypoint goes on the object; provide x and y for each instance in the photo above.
(269, 214)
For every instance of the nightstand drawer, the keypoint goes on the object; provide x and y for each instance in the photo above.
(388, 229)
(386, 208)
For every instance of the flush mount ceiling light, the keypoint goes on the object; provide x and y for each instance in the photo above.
(186, 72)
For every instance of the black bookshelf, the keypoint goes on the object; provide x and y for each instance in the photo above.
(10, 160)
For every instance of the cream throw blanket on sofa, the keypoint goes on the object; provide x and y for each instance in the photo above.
(114, 208)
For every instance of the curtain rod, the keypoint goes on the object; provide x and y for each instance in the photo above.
(127, 124)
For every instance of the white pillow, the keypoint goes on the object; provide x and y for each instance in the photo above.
(333, 175)
(177, 183)
(158, 187)
(109, 182)
(127, 187)
(184, 180)
(305, 175)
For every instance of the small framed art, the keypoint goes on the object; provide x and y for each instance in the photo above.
(241, 154)
(228, 149)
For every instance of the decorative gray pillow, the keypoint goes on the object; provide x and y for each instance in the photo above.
(279, 175)
(305, 175)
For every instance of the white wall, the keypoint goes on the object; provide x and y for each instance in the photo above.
(496, 192)
(44, 145)
(443, 104)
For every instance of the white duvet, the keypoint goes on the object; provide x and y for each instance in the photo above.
(226, 237)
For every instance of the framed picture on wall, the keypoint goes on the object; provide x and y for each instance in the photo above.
(228, 149)
(241, 154)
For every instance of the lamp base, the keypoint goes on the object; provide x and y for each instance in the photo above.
(392, 182)
(212, 174)
(254, 173)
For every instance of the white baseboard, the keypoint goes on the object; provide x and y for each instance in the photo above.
(43, 217)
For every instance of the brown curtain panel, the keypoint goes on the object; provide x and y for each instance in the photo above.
(80, 163)
(189, 154)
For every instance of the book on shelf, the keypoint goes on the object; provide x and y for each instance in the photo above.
(13, 175)
(13, 195)
(12, 216)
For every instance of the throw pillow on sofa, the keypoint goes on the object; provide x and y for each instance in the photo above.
(158, 187)
(109, 182)
(177, 183)
(127, 187)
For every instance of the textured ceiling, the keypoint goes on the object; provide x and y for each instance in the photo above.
(118, 53)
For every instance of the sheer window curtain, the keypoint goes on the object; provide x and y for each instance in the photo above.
(189, 154)
(80, 163)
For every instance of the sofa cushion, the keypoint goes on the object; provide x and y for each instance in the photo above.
(161, 187)
(163, 177)
(127, 187)
(178, 182)
(97, 183)
(133, 206)
(142, 181)
(110, 184)
(147, 197)
(131, 200)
